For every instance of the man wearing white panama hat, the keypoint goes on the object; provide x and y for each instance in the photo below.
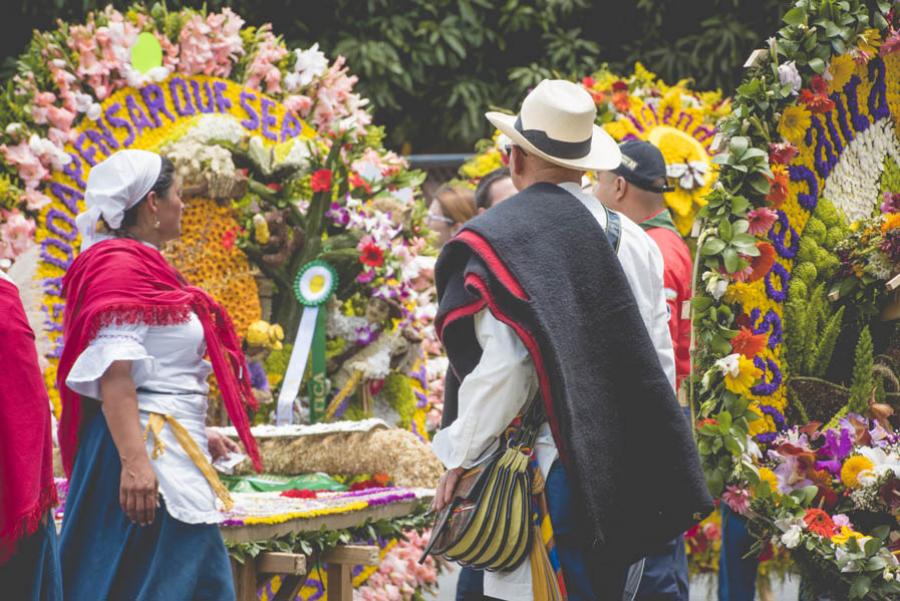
(552, 296)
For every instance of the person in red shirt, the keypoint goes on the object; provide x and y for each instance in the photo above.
(636, 189)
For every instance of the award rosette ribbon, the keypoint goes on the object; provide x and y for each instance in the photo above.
(315, 283)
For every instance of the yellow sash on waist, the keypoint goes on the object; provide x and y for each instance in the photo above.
(155, 425)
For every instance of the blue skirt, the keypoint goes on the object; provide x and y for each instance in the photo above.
(106, 557)
(33, 572)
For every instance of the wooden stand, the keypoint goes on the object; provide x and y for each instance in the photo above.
(292, 567)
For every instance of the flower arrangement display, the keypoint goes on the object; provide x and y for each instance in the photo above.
(280, 165)
(796, 375)
(677, 119)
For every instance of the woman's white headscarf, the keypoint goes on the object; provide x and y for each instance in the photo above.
(114, 186)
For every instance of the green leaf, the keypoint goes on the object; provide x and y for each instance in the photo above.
(732, 261)
(881, 532)
(713, 246)
(760, 184)
(872, 546)
(739, 145)
(795, 16)
(724, 420)
(701, 303)
(733, 446)
(725, 230)
(716, 482)
(817, 65)
(860, 587)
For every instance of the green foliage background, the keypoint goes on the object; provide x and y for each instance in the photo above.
(431, 67)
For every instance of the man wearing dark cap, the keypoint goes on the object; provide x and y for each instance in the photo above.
(635, 189)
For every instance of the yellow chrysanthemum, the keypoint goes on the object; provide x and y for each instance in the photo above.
(768, 476)
(841, 69)
(206, 255)
(870, 41)
(846, 533)
(795, 120)
(747, 376)
(641, 73)
(852, 468)
(482, 164)
(620, 129)
(747, 295)
(759, 426)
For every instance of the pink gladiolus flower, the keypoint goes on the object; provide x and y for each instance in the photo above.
(16, 234)
(35, 201)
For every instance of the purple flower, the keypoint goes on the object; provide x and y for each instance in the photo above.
(835, 449)
(366, 335)
(891, 203)
(258, 377)
(776, 416)
(366, 276)
(338, 214)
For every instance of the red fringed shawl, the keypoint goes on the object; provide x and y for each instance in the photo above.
(27, 490)
(125, 281)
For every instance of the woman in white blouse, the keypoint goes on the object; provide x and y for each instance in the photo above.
(141, 520)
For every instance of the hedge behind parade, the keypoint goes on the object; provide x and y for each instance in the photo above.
(313, 236)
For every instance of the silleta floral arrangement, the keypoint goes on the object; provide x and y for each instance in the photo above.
(677, 119)
(279, 163)
(796, 381)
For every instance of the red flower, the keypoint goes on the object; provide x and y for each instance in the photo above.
(371, 255)
(620, 86)
(759, 266)
(297, 493)
(819, 522)
(782, 153)
(747, 343)
(708, 422)
(274, 187)
(229, 238)
(778, 191)
(766, 553)
(358, 182)
(817, 100)
(321, 180)
(588, 82)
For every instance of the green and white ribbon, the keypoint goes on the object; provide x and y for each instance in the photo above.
(314, 284)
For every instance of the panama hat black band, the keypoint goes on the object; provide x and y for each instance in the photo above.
(557, 148)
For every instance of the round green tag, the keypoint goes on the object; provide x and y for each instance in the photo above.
(146, 53)
(315, 282)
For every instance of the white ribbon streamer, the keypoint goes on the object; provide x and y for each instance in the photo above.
(290, 387)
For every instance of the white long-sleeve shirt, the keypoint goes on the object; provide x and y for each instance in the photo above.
(505, 379)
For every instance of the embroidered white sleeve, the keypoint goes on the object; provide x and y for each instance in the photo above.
(113, 343)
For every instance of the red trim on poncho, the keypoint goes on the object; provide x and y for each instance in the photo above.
(125, 281)
(27, 490)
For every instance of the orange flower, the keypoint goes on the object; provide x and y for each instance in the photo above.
(779, 186)
(620, 101)
(816, 99)
(759, 266)
(819, 522)
(747, 343)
